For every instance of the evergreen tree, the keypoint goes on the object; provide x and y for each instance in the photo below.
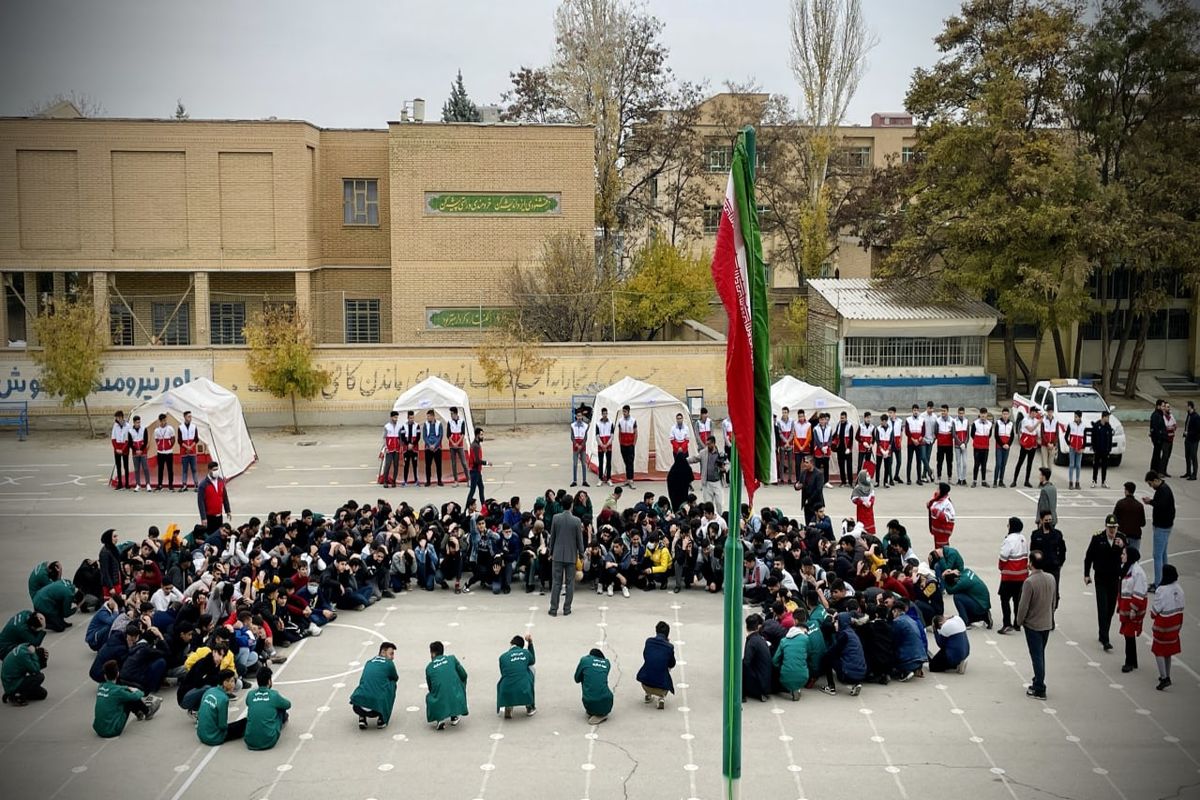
(459, 108)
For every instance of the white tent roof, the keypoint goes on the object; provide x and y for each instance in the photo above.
(654, 410)
(217, 413)
(436, 395)
(796, 394)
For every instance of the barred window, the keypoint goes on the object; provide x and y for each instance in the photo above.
(226, 321)
(855, 159)
(712, 218)
(360, 201)
(362, 321)
(120, 325)
(900, 351)
(718, 156)
(170, 326)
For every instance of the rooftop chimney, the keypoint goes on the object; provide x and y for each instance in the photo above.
(418, 109)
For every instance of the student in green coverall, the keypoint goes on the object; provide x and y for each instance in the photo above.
(266, 713)
(376, 692)
(114, 704)
(447, 682)
(212, 720)
(56, 601)
(515, 687)
(592, 673)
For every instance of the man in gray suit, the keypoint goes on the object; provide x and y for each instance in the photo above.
(566, 545)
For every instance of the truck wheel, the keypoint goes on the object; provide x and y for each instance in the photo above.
(1115, 461)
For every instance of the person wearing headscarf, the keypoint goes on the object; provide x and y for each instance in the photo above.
(1131, 604)
(863, 497)
(679, 480)
(1167, 613)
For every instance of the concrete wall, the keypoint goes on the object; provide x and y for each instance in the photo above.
(873, 394)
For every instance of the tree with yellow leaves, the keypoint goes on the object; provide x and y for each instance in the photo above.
(666, 286)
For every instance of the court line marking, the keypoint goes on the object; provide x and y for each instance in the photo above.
(879, 740)
(974, 736)
(497, 735)
(683, 703)
(340, 674)
(1076, 740)
(787, 746)
(193, 774)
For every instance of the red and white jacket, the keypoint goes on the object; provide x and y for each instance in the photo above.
(704, 430)
(981, 434)
(1014, 558)
(941, 520)
(961, 431)
(866, 437)
(627, 431)
(1049, 431)
(1029, 433)
(1076, 436)
(578, 436)
(883, 441)
(680, 438)
(945, 431)
(785, 429)
(802, 436)
(391, 436)
(1132, 603)
(1167, 613)
(604, 435)
(137, 440)
(120, 437)
(456, 433)
(822, 440)
(864, 508)
(412, 435)
(916, 430)
(187, 439)
(164, 440)
(1004, 433)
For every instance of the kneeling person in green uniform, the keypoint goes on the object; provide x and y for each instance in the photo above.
(447, 682)
(56, 601)
(22, 675)
(376, 692)
(592, 673)
(515, 687)
(212, 723)
(266, 713)
(114, 704)
(25, 627)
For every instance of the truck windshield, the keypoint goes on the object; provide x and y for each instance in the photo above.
(1087, 402)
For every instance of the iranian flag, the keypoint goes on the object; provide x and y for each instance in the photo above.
(741, 282)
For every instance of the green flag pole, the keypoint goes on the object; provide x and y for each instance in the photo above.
(731, 740)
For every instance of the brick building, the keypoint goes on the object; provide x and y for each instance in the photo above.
(182, 230)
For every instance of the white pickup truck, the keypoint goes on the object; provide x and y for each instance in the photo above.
(1065, 396)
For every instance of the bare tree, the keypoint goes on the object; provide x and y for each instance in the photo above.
(560, 298)
(85, 104)
(829, 46)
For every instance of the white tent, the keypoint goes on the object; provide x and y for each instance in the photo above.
(217, 413)
(813, 400)
(436, 395)
(654, 410)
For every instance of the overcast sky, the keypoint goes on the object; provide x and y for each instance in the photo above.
(352, 64)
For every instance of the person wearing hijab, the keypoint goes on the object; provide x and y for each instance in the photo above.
(1167, 613)
(863, 497)
(679, 480)
(1131, 604)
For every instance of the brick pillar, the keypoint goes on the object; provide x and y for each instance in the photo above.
(100, 301)
(200, 295)
(3, 310)
(304, 297)
(31, 308)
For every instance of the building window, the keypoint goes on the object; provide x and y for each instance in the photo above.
(120, 325)
(712, 218)
(362, 321)
(718, 156)
(171, 325)
(226, 321)
(855, 159)
(906, 154)
(900, 351)
(360, 201)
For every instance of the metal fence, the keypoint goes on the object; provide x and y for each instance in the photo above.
(817, 365)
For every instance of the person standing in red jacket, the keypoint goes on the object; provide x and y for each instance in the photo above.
(475, 464)
(120, 446)
(213, 499)
(941, 516)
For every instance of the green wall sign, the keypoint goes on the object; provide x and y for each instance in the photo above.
(479, 203)
(465, 318)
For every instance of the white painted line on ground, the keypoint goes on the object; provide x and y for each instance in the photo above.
(317, 469)
(690, 766)
(978, 740)
(786, 739)
(1141, 710)
(891, 768)
(212, 751)
(490, 766)
(1071, 737)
